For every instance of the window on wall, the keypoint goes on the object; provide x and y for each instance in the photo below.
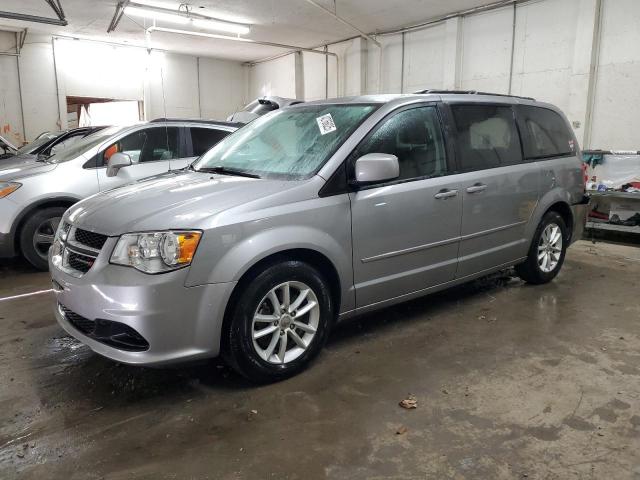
(487, 136)
(415, 137)
(546, 134)
(148, 145)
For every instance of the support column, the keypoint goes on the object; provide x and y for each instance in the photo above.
(299, 75)
(61, 89)
(584, 69)
(452, 54)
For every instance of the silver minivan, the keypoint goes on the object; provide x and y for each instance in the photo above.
(35, 192)
(312, 214)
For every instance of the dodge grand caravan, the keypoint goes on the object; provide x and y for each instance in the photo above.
(314, 213)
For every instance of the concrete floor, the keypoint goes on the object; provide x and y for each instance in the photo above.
(511, 381)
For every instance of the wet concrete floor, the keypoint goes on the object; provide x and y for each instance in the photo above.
(511, 381)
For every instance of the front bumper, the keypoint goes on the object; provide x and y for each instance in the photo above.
(179, 323)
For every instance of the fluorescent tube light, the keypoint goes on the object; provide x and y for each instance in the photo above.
(156, 15)
(184, 19)
(221, 26)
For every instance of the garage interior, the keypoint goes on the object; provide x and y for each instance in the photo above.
(509, 380)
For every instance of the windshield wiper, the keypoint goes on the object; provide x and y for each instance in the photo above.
(227, 171)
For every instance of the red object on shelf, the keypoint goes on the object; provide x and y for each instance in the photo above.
(600, 215)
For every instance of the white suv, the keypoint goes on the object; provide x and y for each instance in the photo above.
(35, 194)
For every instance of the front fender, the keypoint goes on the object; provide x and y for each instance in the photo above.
(227, 253)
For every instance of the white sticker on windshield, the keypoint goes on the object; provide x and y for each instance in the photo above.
(326, 124)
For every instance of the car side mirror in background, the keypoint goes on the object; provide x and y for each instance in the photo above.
(116, 162)
(375, 168)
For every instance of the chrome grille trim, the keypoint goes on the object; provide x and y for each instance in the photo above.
(81, 254)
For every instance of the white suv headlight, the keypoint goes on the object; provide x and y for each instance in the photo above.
(156, 252)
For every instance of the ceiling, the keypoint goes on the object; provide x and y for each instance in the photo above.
(292, 22)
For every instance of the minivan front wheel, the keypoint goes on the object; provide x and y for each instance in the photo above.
(279, 323)
(547, 251)
(37, 235)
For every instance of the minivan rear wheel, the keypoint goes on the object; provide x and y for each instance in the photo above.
(547, 251)
(279, 322)
(37, 235)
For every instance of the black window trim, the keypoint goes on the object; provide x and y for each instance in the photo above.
(521, 125)
(454, 129)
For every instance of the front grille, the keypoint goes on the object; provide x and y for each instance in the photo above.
(79, 249)
(90, 239)
(81, 263)
(85, 325)
(115, 334)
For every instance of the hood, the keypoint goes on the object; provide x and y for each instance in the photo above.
(21, 166)
(170, 201)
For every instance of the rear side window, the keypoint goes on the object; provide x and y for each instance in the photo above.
(546, 134)
(203, 139)
(487, 136)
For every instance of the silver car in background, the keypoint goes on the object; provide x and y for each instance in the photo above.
(312, 214)
(35, 191)
(261, 106)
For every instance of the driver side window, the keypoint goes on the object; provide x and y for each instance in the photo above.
(415, 137)
(148, 145)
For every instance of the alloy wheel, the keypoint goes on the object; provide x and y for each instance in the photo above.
(550, 248)
(285, 322)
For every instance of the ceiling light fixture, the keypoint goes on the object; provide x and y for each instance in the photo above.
(221, 26)
(151, 14)
(198, 21)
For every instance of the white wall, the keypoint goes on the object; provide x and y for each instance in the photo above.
(52, 69)
(10, 109)
(172, 86)
(39, 91)
(424, 59)
(486, 51)
(547, 55)
(223, 87)
(616, 118)
(276, 78)
(544, 50)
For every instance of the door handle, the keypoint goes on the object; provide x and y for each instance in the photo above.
(477, 188)
(445, 193)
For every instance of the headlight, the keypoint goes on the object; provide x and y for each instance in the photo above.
(156, 252)
(8, 187)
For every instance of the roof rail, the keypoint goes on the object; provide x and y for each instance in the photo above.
(469, 92)
(195, 120)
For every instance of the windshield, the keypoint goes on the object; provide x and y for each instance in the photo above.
(291, 143)
(41, 140)
(81, 146)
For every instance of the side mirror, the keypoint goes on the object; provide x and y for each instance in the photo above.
(116, 162)
(376, 167)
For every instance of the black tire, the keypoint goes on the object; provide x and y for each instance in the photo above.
(237, 338)
(43, 222)
(531, 271)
